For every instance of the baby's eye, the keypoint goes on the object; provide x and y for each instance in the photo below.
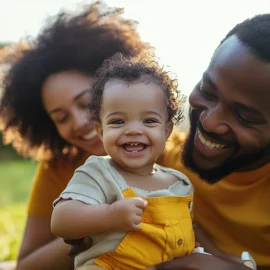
(117, 122)
(150, 121)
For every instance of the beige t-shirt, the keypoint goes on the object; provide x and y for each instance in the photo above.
(97, 182)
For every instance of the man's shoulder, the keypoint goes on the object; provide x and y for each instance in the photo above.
(171, 156)
(259, 174)
(177, 137)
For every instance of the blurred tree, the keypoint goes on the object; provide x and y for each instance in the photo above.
(6, 151)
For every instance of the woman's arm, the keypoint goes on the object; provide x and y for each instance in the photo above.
(41, 250)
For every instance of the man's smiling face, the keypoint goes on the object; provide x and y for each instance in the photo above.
(230, 115)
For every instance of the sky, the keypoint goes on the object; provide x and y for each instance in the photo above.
(184, 33)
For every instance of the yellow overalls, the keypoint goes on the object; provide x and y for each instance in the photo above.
(166, 232)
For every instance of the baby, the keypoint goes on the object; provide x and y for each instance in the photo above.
(136, 212)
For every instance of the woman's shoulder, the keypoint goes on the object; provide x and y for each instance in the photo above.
(61, 170)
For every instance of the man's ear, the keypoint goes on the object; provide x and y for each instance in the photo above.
(168, 129)
(99, 129)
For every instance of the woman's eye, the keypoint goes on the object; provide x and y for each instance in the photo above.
(84, 105)
(61, 120)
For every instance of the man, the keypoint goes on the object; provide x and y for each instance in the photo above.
(228, 150)
(229, 144)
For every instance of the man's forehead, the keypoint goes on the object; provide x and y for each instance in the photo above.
(235, 69)
(237, 56)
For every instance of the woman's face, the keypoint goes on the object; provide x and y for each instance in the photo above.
(66, 96)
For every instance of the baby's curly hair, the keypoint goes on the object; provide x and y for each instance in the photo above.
(131, 69)
(79, 42)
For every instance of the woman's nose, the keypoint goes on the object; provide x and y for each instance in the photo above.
(80, 119)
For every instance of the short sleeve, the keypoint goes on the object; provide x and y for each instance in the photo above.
(92, 183)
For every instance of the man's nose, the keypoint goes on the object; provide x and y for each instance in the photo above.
(214, 119)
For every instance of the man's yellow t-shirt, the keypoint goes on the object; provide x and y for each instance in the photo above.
(235, 212)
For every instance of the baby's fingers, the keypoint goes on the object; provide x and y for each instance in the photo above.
(140, 203)
(138, 211)
(136, 226)
(136, 220)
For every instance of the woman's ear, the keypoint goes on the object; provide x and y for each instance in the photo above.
(168, 129)
(99, 129)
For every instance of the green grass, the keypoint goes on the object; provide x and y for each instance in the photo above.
(16, 179)
(12, 221)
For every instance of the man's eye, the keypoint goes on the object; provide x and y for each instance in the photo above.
(117, 122)
(206, 94)
(244, 120)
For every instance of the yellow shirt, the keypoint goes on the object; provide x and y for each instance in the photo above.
(48, 184)
(235, 212)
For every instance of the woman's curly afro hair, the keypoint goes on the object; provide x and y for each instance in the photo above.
(69, 42)
(131, 69)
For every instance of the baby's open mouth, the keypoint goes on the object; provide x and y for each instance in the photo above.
(134, 147)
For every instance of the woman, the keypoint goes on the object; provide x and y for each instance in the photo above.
(44, 113)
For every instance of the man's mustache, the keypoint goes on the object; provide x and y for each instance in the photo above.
(215, 137)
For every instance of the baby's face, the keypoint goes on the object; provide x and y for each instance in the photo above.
(134, 123)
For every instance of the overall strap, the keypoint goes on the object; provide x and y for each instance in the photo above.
(129, 193)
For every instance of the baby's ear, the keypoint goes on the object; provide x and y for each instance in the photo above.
(169, 128)
(99, 129)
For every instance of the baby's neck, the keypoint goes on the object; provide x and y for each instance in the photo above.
(147, 170)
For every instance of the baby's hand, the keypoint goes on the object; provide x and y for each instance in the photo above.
(126, 214)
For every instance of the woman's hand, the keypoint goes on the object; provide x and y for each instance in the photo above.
(202, 262)
(78, 245)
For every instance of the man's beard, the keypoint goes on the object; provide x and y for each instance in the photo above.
(232, 164)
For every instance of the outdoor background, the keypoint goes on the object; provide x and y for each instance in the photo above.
(185, 34)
